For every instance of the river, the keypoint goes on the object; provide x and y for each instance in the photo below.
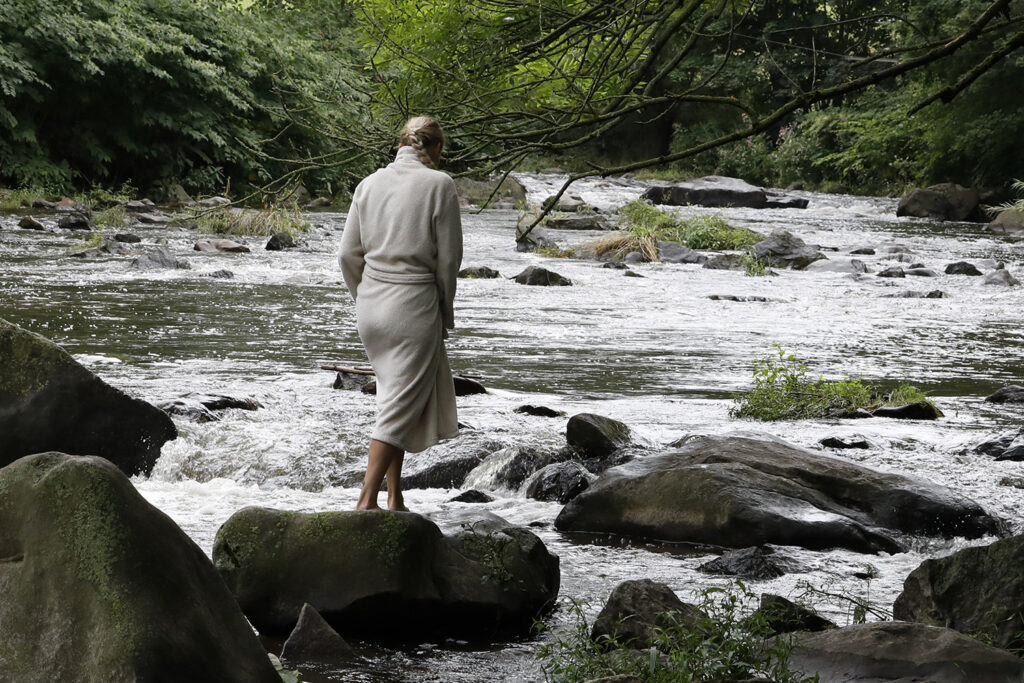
(654, 352)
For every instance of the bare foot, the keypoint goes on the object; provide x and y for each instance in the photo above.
(400, 507)
(367, 506)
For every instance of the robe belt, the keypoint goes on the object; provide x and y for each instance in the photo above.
(398, 278)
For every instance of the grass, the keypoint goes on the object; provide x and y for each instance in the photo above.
(251, 222)
(555, 252)
(113, 217)
(91, 242)
(783, 390)
(16, 199)
(754, 267)
(729, 644)
(646, 225)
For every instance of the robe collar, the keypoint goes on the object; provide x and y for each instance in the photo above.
(407, 154)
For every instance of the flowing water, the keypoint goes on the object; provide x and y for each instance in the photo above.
(654, 352)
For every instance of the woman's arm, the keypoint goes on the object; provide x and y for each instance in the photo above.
(351, 257)
(448, 232)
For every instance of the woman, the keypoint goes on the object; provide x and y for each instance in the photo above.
(400, 256)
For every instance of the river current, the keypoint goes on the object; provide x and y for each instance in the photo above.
(654, 352)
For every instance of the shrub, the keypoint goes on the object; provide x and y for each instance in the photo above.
(784, 391)
(251, 222)
(728, 644)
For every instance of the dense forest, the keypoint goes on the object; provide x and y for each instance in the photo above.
(245, 94)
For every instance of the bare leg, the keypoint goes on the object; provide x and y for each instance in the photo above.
(395, 499)
(379, 462)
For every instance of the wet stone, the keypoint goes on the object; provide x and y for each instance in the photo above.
(895, 271)
(962, 268)
(747, 563)
(479, 273)
(472, 496)
(842, 444)
(539, 411)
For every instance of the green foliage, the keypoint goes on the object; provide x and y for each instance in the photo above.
(251, 222)
(753, 266)
(114, 217)
(16, 199)
(783, 390)
(728, 643)
(92, 241)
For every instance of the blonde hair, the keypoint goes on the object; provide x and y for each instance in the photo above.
(419, 133)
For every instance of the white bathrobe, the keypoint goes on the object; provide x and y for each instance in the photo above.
(400, 257)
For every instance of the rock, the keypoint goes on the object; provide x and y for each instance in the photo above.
(962, 268)
(319, 203)
(509, 467)
(42, 204)
(835, 442)
(154, 218)
(784, 616)
(472, 496)
(863, 251)
(351, 381)
(632, 273)
(139, 206)
(922, 410)
(560, 482)
(999, 445)
(221, 402)
(189, 409)
(467, 387)
(615, 265)
(747, 563)
(466, 574)
(213, 246)
(221, 274)
(539, 411)
(439, 470)
(738, 298)
(895, 651)
(913, 294)
(280, 241)
(479, 273)
(837, 266)
(99, 585)
(725, 262)
(709, 191)
(107, 247)
(313, 639)
(161, 259)
(636, 608)
(964, 202)
(1008, 394)
(672, 252)
(213, 202)
(538, 238)
(735, 492)
(494, 189)
(74, 221)
(30, 223)
(565, 204)
(176, 194)
(68, 205)
(921, 272)
(48, 402)
(596, 436)
(775, 201)
(535, 275)
(895, 271)
(1008, 222)
(944, 202)
(976, 590)
(586, 222)
(782, 249)
(1001, 278)
(836, 188)
(634, 257)
(127, 238)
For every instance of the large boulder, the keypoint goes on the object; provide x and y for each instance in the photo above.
(98, 585)
(901, 652)
(596, 436)
(393, 575)
(1011, 393)
(710, 190)
(1008, 222)
(782, 249)
(974, 590)
(735, 492)
(48, 402)
(944, 202)
(636, 608)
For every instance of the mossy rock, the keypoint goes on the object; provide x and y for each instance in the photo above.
(98, 585)
(48, 402)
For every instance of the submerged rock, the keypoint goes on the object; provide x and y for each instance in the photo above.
(1008, 394)
(74, 221)
(395, 575)
(837, 266)
(539, 411)
(99, 585)
(48, 401)
(922, 410)
(897, 651)
(747, 563)
(673, 252)
(975, 590)
(1006, 446)
(836, 442)
(161, 259)
(583, 222)
(472, 496)
(636, 608)
(725, 262)
(736, 492)
(894, 271)
(535, 275)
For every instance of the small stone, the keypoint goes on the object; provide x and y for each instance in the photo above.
(222, 274)
(74, 221)
(922, 272)
(30, 223)
(631, 273)
(479, 273)
(747, 563)
(535, 275)
(211, 202)
(895, 271)
(127, 238)
(539, 411)
(615, 265)
(280, 241)
(836, 442)
(865, 251)
(213, 246)
(472, 496)
(1001, 278)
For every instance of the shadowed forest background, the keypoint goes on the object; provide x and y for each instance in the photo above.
(243, 94)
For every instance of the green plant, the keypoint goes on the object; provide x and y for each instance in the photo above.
(16, 199)
(1017, 206)
(250, 222)
(753, 266)
(114, 217)
(91, 242)
(728, 643)
(783, 390)
(554, 252)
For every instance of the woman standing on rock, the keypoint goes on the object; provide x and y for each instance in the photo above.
(400, 256)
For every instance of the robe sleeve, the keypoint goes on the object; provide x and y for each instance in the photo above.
(448, 233)
(351, 257)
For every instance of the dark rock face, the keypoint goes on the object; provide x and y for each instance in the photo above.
(838, 266)
(836, 442)
(351, 381)
(776, 201)
(74, 221)
(190, 409)
(161, 259)
(439, 470)
(313, 639)
(1008, 394)
(784, 616)
(740, 491)
(30, 223)
(975, 590)
(748, 563)
(725, 262)
(50, 402)
(1001, 278)
(782, 249)
(280, 241)
(535, 275)
(395, 574)
(672, 252)
(944, 202)
(127, 238)
(894, 271)
(99, 585)
(465, 386)
(922, 410)
(635, 608)
(596, 436)
(1007, 446)
(709, 191)
(560, 481)
(472, 496)
(962, 268)
(590, 222)
(479, 273)
(539, 411)
(896, 651)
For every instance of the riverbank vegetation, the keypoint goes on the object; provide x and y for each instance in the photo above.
(730, 641)
(260, 95)
(784, 390)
